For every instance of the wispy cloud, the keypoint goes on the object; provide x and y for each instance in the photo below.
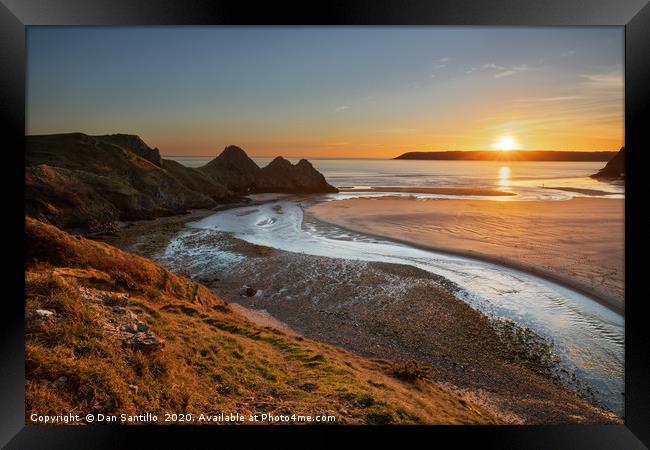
(438, 64)
(502, 71)
(513, 70)
(606, 80)
(492, 66)
(341, 108)
(485, 67)
(559, 98)
(592, 104)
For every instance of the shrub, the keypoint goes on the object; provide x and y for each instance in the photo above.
(411, 371)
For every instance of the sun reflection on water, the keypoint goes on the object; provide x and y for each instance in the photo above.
(504, 176)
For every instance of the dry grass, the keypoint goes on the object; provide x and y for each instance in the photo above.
(214, 360)
(411, 371)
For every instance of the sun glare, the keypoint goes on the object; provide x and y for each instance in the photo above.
(505, 143)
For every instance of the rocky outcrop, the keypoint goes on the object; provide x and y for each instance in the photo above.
(615, 168)
(122, 323)
(76, 180)
(233, 169)
(282, 176)
(39, 315)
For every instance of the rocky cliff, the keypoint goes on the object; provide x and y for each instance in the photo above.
(232, 168)
(76, 180)
(282, 176)
(235, 169)
(615, 168)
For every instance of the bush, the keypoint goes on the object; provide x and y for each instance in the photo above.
(411, 371)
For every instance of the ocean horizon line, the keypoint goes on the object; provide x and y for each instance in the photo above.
(394, 157)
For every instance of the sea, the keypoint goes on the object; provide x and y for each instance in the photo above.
(528, 180)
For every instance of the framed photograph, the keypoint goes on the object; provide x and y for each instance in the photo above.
(377, 217)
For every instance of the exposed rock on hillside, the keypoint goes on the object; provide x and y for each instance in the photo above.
(615, 168)
(232, 168)
(282, 176)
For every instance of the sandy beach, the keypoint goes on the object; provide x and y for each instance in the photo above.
(579, 242)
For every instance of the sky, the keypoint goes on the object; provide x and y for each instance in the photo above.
(331, 91)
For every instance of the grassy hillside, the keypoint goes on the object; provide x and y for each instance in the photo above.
(127, 336)
(72, 179)
(198, 181)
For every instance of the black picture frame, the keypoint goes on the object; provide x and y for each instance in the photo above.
(634, 15)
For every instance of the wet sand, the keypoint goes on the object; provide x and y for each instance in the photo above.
(434, 190)
(594, 192)
(579, 242)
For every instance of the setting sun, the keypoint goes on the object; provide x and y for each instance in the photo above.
(505, 143)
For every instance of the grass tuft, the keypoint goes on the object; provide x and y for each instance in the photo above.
(411, 371)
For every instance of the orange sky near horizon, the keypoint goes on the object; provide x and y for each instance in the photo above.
(372, 150)
(337, 92)
(591, 119)
(392, 143)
